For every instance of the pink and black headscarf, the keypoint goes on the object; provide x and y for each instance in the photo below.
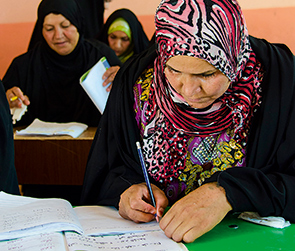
(213, 30)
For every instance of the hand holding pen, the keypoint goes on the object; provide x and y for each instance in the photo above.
(136, 203)
(146, 178)
(16, 97)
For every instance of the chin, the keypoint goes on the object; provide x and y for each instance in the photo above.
(63, 52)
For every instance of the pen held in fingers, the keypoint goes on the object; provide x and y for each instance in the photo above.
(148, 184)
(14, 98)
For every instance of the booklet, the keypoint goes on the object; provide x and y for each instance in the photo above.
(38, 127)
(33, 223)
(91, 81)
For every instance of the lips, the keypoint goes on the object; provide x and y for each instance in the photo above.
(60, 43)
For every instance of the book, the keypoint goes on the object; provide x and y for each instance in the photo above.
(54, 224)
(91, 81)
(39, 128)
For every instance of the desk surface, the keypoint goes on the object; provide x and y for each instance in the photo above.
(247, 237)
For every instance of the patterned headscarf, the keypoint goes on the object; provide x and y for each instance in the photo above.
(213, 30)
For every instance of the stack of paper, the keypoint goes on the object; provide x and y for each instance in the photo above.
(39, 127)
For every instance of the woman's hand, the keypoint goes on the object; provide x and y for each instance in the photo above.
(196, 213)
(135, 203)
(109, 76)
(21, 98)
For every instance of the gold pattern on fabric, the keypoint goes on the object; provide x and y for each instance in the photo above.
(224, 155)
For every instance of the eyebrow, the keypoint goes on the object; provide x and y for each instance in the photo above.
(45, 24)
(201, 73)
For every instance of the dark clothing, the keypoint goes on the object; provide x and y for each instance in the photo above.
(139, 38)
(265, 185)
(51, 82)
(92, 20)
(93, 13)
(8, 178)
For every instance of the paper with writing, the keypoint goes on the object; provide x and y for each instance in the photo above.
(27, 221)
(40, 242)
(151, 241)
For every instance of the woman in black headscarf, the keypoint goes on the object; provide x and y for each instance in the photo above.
(8, 179)
(49, 73)
(93, 13)
(125, 21)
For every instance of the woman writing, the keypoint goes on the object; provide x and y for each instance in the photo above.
(46, 78)
(213, 109)
(124, 34)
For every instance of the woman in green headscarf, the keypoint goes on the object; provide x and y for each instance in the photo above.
(124, 34)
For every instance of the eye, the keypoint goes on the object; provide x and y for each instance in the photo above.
(208, 75)
(48, 29)
(66, 24)
(125, 39)
(111, 36)
(171, 70)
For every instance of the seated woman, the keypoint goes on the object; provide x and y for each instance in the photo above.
(124, 34)
(8, 178)
(214, 111)
(46, 78)
(93, 14)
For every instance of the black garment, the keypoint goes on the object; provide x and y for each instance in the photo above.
(92, 19)
(51, 81)
(139, 38)
(8, 178)
(265, 185)
(93, 13)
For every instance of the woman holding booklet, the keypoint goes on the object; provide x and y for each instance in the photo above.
(46, 78)
(214, 111)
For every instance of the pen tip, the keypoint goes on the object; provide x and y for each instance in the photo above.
(137, 144)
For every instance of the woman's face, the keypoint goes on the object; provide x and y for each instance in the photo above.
(119, 42)
(197, 81)
(60, 34)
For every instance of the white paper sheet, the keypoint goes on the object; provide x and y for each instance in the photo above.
(150, 241)
(92, 81)
(38, 127)
(40, 242)
(32, 220)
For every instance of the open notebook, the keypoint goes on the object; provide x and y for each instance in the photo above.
(53, 224)
(38, 127)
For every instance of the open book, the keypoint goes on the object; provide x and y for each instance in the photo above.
(38, 127)
(91, 81)
(29, 221)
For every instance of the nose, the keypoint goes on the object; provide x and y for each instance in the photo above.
(58, 33)
(190, 84)
(117, 43)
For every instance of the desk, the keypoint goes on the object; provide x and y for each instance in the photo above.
(58, 160)
(247, 237)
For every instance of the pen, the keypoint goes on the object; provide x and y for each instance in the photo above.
(146, 176)
(14, 98)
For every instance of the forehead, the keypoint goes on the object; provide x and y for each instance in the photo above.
(54, 18)
(119, 34)
(189, 64)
